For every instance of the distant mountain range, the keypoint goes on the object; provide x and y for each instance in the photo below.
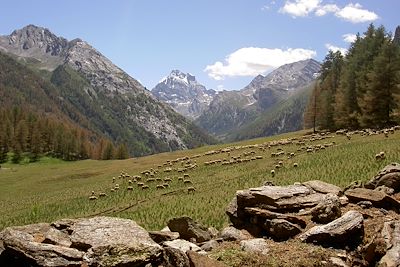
(184, 94)
(93, 92)
(247, 113)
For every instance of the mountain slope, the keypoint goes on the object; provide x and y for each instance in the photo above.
(284, 116)
(184, 93)
(255, 101)
(111, 102)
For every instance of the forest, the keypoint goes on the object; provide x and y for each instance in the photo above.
(360, 89)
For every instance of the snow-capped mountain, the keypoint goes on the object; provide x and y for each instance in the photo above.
(184, 93)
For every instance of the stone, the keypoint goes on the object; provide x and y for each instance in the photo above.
(175, 258)
(323, 187)
(230, 233)
(266, 214)
(209, 245)
(347, 230)
(391, 236)
(337, 262)
(97, 241)
(280, 229)
(25, 244)
(183, 245)
(256, 245)
(365, 204)
(114, 241)
(327, 210)
(162, 236)
(213, 232)
(199, 260)
(188, 228)
(343, 200)
(385, 189)
(388, 176)
(377, 198)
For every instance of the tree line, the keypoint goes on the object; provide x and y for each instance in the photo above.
(28, 135)
(360, 89)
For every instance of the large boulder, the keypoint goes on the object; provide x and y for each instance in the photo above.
(377, 198)
(388, 176)
(391, 237)
(98, 241)
(347, 230)
(189, 229)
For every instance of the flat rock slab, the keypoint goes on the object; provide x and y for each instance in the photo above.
(278, 198)
(98, 241)
(346, 230)
(377, 198)
(162, 236)
(323, 187)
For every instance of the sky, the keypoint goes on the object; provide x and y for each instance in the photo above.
(224, 43)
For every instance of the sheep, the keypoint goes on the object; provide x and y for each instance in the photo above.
(273, 173)
(113, 179)
(191, 190)
(140, 184)
(145, 187)
(295, 165)
(180, 178)
(167, 180)
(129, 181)
(160, 186)
(277, 166)
(92, 193)
(129, 188)
(166, 185)
(102, 194)
(112, 190)
(150, 180)
(187, 182)
(380, 156)
(92, 198)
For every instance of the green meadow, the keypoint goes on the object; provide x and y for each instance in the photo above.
(52, 189)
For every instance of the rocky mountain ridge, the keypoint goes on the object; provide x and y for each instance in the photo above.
(184, 93)
(263, 93)
(125, 103)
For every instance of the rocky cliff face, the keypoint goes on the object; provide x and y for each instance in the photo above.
(184, 93)
(124, 102)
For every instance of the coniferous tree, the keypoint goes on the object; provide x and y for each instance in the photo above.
(122, 152)
(108, 152)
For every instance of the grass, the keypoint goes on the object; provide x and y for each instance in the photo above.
(51, 189)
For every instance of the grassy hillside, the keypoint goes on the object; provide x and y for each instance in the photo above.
(52, 189)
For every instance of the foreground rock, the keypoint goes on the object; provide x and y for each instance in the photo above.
(327, 210)
(347, 230)
(98, 241)
(388, 176)
(189, 229)
(391, 237)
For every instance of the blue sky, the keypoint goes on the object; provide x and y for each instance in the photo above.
(224, 43)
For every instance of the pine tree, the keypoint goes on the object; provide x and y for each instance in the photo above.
(122, 152)
(379, 101)
(312, 113)
(108, 151)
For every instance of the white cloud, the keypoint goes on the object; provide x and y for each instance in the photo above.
(352, 12)
(251, 61)
(336, 48)
(300, 8)
(325, 9)
(355, 14)
(349, 37)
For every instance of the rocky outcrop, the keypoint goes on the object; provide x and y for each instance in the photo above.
(271, 210)
(346, 230)
(98, 241)
(327, 210)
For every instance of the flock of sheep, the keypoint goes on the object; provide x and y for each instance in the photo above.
(176, 172)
